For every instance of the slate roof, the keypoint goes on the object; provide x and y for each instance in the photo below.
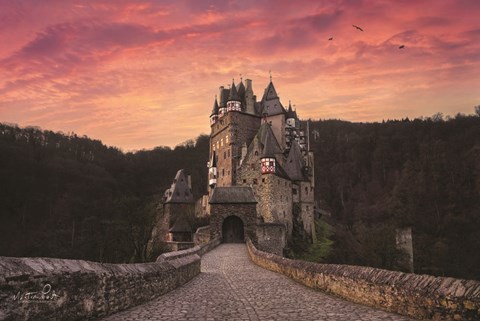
(179, 192)
(295, 163)
(233, 95)
(215, 107)
(232, 194)
(241, 90)
(224, 97)
(271, 104)
(265, 131)
(290, 112)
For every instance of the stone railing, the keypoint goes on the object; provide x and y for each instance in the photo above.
(58, 289)
(419, 296)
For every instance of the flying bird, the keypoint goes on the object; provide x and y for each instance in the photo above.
(357, 27)
(331, 38)
(401, 47)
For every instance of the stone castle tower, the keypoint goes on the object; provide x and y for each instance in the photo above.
(260, 170)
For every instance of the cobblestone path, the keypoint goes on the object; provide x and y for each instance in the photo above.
(231, 287)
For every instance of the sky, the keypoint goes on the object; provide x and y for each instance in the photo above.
(140, 74)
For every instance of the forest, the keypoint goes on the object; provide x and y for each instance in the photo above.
(62, 195)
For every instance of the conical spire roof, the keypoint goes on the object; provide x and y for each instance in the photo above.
(270, 92)
(233, 93)
(215, 107)
(268, 148)
(241, 89)
(290, 112)
(295, 163)
(268, 141)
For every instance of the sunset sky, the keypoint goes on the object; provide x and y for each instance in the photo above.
(140, 74)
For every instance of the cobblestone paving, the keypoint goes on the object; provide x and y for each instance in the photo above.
(231, 287)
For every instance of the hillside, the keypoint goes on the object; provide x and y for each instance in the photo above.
(376, 177)
(73, 197)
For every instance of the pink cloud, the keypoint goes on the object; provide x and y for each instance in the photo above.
(124, 71)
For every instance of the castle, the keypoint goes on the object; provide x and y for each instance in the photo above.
(261, 175)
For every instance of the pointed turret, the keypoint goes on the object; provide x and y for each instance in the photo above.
(270, 148)
(291, 117)
(214, 115)
(222, 110)
(179, 191)
(295, 165)
(234, 102)
(271, 104)
(241, 90)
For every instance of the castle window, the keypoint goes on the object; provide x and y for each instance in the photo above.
(228, 173)
(306, 189)
(244, 181)
(294, 191)
(256, 153)
(226, 139)
(263, 180)
(228, 153)
(255, 182)
(224, 155)
(223, 172)
(221, 142)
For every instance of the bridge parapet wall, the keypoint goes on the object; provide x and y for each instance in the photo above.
(419, 296)
(84, 290)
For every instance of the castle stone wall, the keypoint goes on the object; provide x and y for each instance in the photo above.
(419, 296)
(271, 238)
(219, 212)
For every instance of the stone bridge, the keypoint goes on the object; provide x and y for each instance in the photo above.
(232, 287)
(228, 283)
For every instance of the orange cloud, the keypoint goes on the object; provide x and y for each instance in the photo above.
(138, 74)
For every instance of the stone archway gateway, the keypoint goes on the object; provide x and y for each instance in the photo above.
(233, 230)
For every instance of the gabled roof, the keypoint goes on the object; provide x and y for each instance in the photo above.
(295, 163)
(179, 191)
(233, 95)
(215, 107)
(232, 194)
